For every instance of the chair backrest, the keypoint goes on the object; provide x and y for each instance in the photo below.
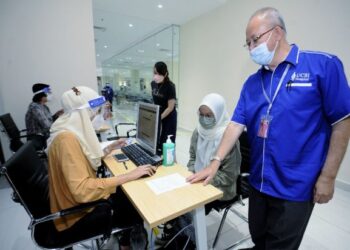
(245, 152)
(10, 126)
(12, 131)
(27, 175)
(243, 185)
(2, 156)
(125, 129)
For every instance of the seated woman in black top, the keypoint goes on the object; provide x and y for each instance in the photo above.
(164, 95)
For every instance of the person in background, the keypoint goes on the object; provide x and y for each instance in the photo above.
(296, 109)
(212, 121)
(108, 93)
(38, 118)
(74, 155)
(164, 95)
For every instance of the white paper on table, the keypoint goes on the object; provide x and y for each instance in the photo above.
(167, 183)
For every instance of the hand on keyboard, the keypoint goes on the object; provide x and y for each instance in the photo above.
(143, 171)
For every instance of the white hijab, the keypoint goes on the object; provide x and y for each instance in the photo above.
(78, 121)
(209, 139)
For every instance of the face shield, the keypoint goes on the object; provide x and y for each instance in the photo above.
(46, 91)
(93, 106)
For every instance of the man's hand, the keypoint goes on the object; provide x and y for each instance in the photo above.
(206, 174)
(324, 189)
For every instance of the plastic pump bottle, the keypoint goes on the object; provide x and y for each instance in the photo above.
(168, 152)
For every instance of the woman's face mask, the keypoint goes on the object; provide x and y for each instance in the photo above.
(49, 97)
(207, 122)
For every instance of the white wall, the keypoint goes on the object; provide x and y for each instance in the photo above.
(212, 57)
(44, 41)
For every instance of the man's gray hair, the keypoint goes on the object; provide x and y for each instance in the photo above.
(272, 15)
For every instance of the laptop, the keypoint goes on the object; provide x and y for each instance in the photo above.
(144, 151)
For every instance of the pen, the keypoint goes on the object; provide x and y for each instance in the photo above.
(126, 167)
(288, 85)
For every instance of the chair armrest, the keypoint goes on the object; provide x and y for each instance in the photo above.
(125, 123)
(25, 136)
(113, 138)
(68, 211)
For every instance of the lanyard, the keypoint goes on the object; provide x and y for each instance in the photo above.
(276, 91)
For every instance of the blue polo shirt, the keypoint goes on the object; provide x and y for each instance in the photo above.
(313, 96)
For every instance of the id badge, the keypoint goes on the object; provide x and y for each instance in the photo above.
(264, 126)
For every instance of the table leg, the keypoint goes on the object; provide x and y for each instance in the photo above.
(200, 227)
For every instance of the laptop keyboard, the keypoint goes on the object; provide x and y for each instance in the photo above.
(139, 156)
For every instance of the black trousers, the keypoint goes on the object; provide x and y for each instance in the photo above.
(166, 127)
(124, 215)
(275, 223)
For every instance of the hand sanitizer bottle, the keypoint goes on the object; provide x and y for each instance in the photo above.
(168, 152)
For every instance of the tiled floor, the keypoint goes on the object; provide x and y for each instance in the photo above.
(329, 226)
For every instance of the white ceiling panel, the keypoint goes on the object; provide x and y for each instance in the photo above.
(113, 17)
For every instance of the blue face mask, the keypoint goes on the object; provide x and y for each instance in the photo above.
(261, 54)
(207, 122)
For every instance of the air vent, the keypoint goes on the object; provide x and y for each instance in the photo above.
(103, 29)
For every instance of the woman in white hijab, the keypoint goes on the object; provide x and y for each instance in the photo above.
(212, 121)
(74, 154)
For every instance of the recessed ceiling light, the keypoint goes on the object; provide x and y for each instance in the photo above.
(158, 44)
(105, 46)
(160, 6)
(140, 51)
(98, 55)
(131, 25)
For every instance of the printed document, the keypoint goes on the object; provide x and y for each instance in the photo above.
(167, 183)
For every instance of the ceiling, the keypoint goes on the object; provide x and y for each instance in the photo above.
(113, 18)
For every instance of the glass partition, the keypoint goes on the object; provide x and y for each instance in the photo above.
(130, 72)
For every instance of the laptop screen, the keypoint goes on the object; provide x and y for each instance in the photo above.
(147, 126)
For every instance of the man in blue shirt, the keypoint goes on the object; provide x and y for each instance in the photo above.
(108, 93)
(296, 109)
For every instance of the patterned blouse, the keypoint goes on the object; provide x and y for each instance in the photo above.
(38, 119)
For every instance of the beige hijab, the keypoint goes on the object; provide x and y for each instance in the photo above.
(76, 118)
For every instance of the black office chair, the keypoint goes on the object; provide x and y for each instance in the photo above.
(2, 156)
(15, 135)
(129, 131)
(12, 131)
(242, 190)
(28, 177)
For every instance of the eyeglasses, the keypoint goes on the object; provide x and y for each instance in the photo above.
(256, 39)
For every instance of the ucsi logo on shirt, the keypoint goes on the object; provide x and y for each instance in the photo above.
(303, 77)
